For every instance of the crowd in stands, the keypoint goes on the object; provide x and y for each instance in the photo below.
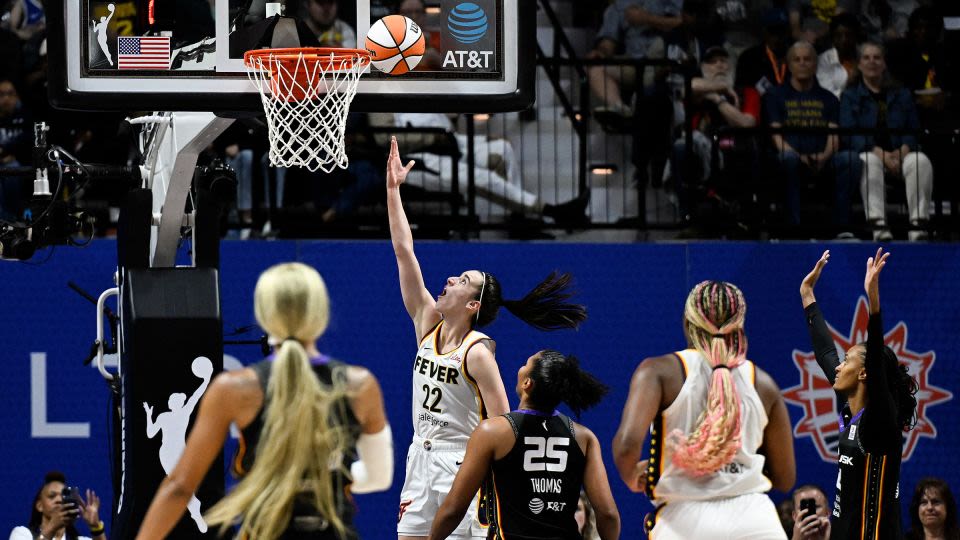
(877, 70)
(758, 70)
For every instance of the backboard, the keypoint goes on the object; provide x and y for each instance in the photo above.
(183, 55)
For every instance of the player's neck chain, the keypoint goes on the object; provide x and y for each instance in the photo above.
(537, 413)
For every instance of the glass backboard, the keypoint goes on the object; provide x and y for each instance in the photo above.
(188, 54)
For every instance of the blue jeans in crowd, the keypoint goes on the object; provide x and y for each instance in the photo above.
(844, 168)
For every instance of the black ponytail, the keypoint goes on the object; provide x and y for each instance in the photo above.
(559, 378)
(904, 389)
(544, 308)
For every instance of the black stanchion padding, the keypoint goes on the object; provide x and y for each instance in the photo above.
(172, 348)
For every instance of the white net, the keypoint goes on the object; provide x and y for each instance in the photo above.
(306, 96)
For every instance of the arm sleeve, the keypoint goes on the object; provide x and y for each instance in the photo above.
(373, 471)
(879, 429)
(823, 346)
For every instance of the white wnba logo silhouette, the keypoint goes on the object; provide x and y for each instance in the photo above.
(101, 30)
(173, 424)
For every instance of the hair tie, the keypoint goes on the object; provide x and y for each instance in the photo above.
(290, 338)
(721, 366)
(718, 335)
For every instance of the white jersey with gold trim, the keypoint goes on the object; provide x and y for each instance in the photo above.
(741, 476)
(446, 401)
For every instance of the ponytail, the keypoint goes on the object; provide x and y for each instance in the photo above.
(559, 378)
(299, 446)
(544, 308)
(714, 317)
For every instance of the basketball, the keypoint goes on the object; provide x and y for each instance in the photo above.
(396, 44)
(202, 367)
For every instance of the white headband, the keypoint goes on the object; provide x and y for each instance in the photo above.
(483, 284)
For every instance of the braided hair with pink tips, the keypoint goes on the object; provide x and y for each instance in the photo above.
(713, 322)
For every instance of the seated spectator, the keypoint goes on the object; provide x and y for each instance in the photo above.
(586, 518)
(715, 104)
(802, 103)
(807, 526)
(631, 28)
(338, 194)
(416, 11)
(321, 17)
(885, 20)
(16, 135)
(764, 67)
(496, 171)
(53, 518)
(836, 64)
(876, 103)
(810, 19)
(933, 512)
(918, 62)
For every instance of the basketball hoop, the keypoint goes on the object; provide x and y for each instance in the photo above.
(306, 95)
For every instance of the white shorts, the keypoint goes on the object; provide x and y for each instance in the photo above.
(431, 468)
(747, 517)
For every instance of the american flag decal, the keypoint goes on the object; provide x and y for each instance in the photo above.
(143, 52)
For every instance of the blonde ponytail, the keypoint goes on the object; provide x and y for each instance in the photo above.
(300, 449)
(713, 320)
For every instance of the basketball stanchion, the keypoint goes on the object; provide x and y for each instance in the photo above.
(306, 95)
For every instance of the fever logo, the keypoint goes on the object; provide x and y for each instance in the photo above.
(818, 400)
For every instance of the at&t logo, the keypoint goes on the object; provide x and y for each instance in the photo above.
(467, 24)
(817, 398)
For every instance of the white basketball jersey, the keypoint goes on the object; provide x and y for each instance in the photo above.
(741, 476)
(446, 401)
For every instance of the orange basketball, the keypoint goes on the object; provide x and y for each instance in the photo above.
(396, 44)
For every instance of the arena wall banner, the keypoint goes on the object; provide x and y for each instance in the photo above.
(57, 416)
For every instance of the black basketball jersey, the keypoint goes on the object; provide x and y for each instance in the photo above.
(867, 502)
(536, 486)
(304, 523)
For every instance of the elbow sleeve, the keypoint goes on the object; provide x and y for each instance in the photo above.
(373, 471)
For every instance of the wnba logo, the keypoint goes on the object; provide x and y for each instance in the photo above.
(818, 399)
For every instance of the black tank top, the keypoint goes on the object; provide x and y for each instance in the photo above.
(867, 502)
(306, 524)
(534, 489)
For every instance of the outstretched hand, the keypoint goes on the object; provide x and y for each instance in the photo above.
(810, 281)
(396, 170)
(871, 279)
(91, 509)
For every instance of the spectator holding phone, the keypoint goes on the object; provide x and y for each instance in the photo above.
(56, 508)
(811, 514)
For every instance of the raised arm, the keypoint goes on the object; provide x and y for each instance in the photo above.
(481, 451)
(152, 427)
(482, 368)
(642, 403)
(416, 298)
(597, 487)
(823, 346)
(880, 430)
(781, 466)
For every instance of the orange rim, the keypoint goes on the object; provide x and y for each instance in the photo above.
(325, 56)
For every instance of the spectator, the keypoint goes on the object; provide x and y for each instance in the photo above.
(416, 10)
(51, 517)
(933, 512)
(886, 19)
(810, 19)
(586, 518)
(496, 171)
(321, 18)
(808, 526)
(339, 195)
(836, 64)
(716, 104)
(875, 103)
(802, 103)
(785, 512)
(764, 67)
(15, 144)
(917, 61)
(630, 29)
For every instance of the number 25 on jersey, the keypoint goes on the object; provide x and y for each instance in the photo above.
(544, 454)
